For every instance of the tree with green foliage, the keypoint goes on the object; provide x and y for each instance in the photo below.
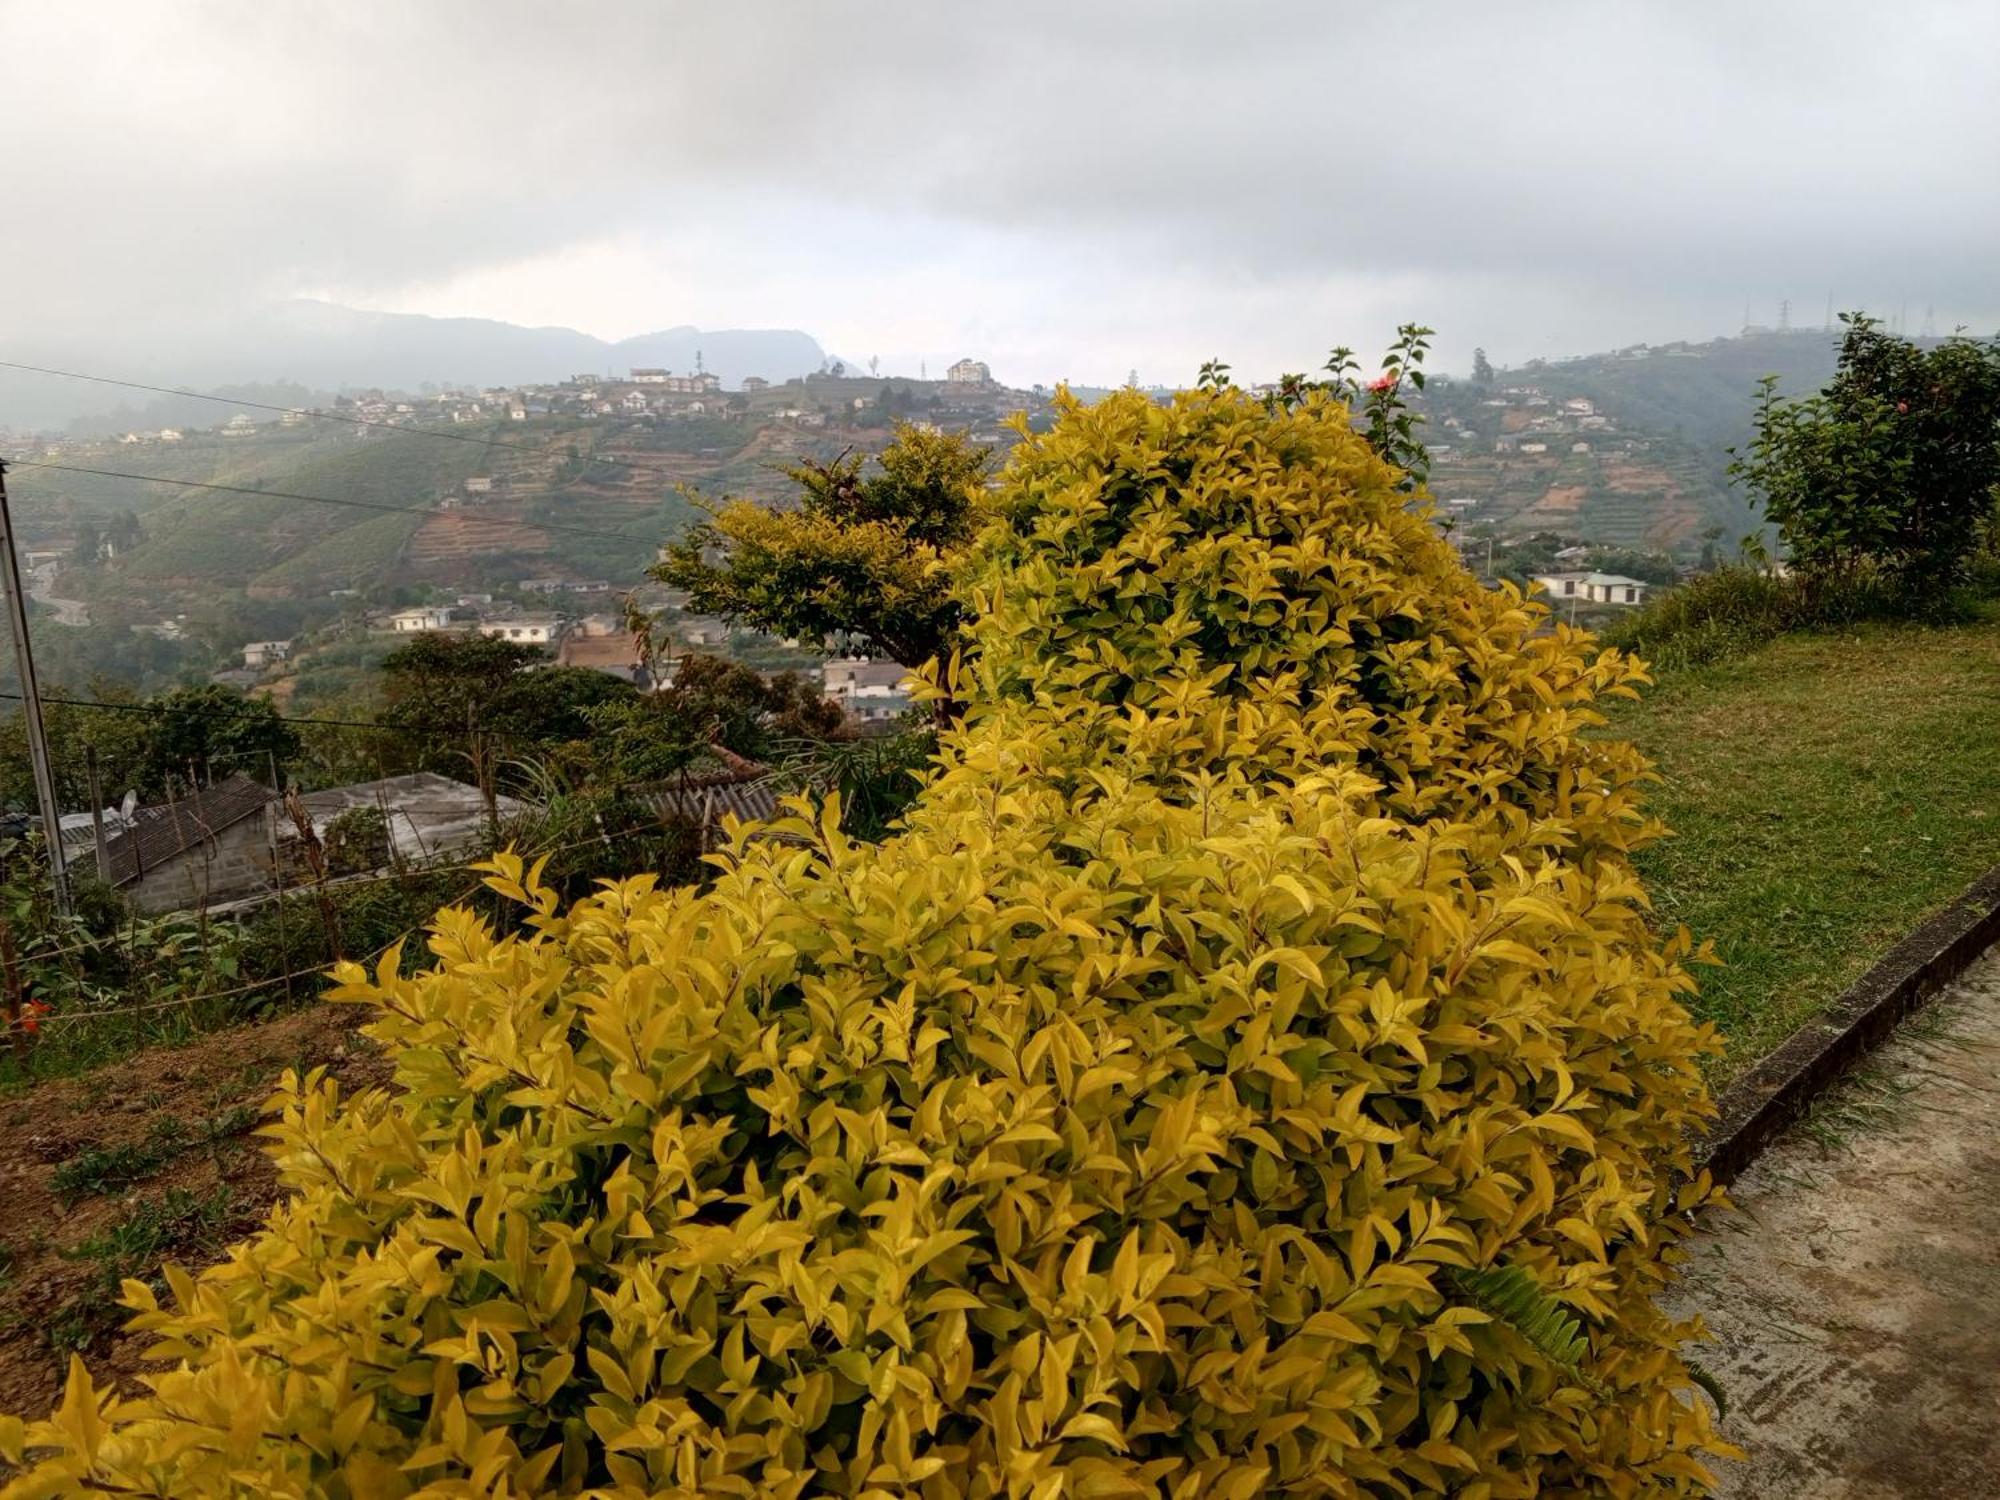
(711, 701)
(457, 696)
(1891, 468)
(116, 736)
(202, 734)
(865, 558)
(1482, 368)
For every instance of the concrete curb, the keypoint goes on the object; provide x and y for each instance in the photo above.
(1774, 1092)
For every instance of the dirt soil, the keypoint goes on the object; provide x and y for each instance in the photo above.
(1855, 1289)
(189, 1178)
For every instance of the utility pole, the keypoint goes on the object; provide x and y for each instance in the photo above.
(31, 699)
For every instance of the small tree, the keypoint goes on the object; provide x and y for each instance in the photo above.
(1892, 467)
(1381, 407)
(357, 841)
(866, 556)
(214, 731)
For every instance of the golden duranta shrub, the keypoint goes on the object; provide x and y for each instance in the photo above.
(1260, 965)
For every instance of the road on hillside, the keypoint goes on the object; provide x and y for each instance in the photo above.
(1854, 1290)
(71, 612)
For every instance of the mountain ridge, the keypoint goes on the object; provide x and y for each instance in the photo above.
(324, 347)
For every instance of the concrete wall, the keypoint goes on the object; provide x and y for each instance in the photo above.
(234, 864)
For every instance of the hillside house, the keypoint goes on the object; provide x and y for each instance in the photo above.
(425, 815)
(526, 630)
(845, 678)
(240, 425)
(616, 654)
(260, 654)
(416, 621)
(969, 372)
(479, 484)
(755, 383)
(211, 846)
(1593, 588)
(703, 630)
(649, 377)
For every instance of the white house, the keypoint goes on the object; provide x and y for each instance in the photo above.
(479, 484)
(845, 679)
(969, 372)
(755, 383)
(259, 654)
(416, 621)
(649, 377)
(703, 630)
(1593, 588)
(633, 401)
(527, 630)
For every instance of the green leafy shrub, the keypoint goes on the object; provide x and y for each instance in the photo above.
(1710, 618)
(357, 841)
(1894, 466)
(1248, 1070)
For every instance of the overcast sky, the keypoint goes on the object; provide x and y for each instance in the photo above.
(1067, 190)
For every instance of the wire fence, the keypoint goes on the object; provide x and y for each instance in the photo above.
(33, 1027)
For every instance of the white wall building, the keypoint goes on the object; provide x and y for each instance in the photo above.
(416, 621)
(1592, 588)
(528, 630)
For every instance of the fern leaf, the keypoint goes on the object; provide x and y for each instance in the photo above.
(1709, 1383)
(1511, 1295)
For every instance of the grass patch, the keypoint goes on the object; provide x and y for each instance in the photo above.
(1827, 792)
(109, 1169)
(175, 1223)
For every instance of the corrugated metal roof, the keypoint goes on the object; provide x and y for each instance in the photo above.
(706, 802)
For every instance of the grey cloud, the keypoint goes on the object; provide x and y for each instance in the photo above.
(1549, 171)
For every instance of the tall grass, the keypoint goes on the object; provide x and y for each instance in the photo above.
(1736, 609)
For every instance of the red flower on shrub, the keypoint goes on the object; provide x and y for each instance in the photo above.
(31, 1015)
(1386, 381)
(1902, 406)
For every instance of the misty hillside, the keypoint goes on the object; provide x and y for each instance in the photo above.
(1702, 394)
(312, 349)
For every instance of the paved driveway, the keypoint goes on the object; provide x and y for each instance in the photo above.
(1855, 1289)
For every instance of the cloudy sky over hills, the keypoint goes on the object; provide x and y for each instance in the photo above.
(1063, 189)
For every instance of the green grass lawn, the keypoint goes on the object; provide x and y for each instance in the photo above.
(1827, 793)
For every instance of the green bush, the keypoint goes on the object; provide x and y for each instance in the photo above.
(1247, 1071)
(1893, 467)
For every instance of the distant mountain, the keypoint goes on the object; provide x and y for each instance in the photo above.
(322, 347)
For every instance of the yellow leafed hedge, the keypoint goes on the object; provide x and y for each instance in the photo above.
(1260, 976)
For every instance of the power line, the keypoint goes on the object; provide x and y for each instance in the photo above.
(301, 411)
(157, 709)
(397, 510)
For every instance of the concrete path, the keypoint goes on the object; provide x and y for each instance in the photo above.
(1854, 1291)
